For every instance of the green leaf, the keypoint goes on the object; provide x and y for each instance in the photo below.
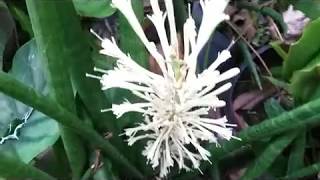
(296, 157)
(83, 61)
(276, 45)
(22, 18)
(93, 8)
(301, 53)
(40, 132)
(49, 27)
(273, 108)
(6, 28)
(49, 107)
(268, 156)
(303, 86)
(28, 68)
(307, 114)
(14, 168)
(310, 7)
(129, 41)
(249, 61)
(303, 63)
(304, 172)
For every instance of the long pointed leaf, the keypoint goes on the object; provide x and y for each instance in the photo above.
(307, 171)
(300, 116)
(296, 158)
(49, 30)
(267, 157)
(249, 60)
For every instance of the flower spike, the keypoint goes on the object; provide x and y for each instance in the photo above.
(175, 104)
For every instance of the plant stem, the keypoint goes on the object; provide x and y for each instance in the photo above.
(49, 107)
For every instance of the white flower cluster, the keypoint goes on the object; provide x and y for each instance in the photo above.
(175, 104)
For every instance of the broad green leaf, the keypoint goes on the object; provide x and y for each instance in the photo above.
(93, 8)
(50, 27)
(28, 68)
(303, 86)
(40, 132)
(13, 168)
(267, 157)
(302, 52)
(6, 28)
(310, 7)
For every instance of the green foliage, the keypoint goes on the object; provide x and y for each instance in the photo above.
(40, 132)
(304, 172)
(47, 24)
(310, 7)
(249, 61)
(306, 114)
(302, 53)
(296, 157)
(268, 156)
(302, 65)
(277, 47)
(22, 18)
(273, 108)
(64, 54)
(14, 168)
(49, 107)
(133, 45)
(93, 8)
(6, 28)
